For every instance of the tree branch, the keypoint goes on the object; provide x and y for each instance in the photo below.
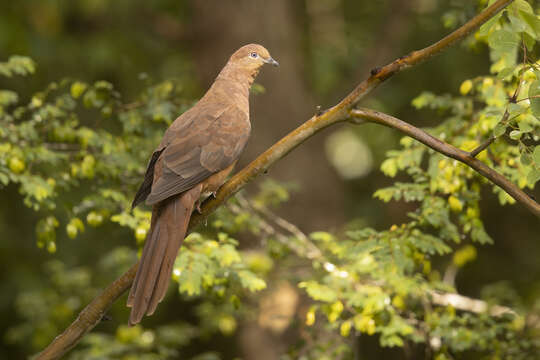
(92, 314)
(465, 303)
(482, 146)
(450, 151)
(312, 252)
(301, 245)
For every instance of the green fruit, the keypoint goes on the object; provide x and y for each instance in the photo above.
(71, 230)
(140, 233)
(16, 165)
(77, 89)
(51, 247)
(94, 219)
(455, 204)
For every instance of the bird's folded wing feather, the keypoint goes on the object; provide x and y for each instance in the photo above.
(196, 148)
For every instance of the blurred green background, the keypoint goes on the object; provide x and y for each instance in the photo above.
(325, 47)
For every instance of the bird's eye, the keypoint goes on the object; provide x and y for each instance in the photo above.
(253, 55)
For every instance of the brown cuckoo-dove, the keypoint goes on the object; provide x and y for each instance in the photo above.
(197, 153)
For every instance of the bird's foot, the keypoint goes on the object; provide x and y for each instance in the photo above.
(198, 206)
(200, 201)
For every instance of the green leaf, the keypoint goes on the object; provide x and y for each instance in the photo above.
(191, 267)
(499, 129)
(17, 65)
(455, 204)
(505, 73)
(533, 176)
(163, 90)
(385, 194)
(389, 167)
(516, 109)
(74, 226)
(486, 27)
(318, 291)
(8, 97)
(525, 127)
(521, 5)
(77, 89)
(478, 232)
(322, 236)
(228, 255)
(87, 166)
(534, 96)
(257, 89)
(529, 41)
(536, 155)
(429, 244)
(46, 233)
(503, 40)
(532, 21)
(526, 159)
(251, 281)
(515, 134)
(103, 85)
(94, 218)
(464, 255)
(466, 87)
(391, 341)
(422, 100)
(517, 24)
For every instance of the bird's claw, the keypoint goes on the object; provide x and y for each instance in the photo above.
(198, 206)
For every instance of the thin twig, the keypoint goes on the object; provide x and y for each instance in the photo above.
(514, 97)
(339, 113)
(270, 230)
(529, 98)
(266, 228)
(482, 146)
(310, 251)
(450, 274)
(62, 146)
(131, 106)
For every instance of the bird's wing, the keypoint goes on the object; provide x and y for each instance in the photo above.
(196, 149)
(146, 186)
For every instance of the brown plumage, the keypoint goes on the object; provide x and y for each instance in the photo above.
(196, 154)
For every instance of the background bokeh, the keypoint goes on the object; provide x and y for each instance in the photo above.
(325, 47)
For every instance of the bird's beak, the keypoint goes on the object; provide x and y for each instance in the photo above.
(271, 61)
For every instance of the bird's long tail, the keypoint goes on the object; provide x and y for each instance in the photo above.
(168, 228)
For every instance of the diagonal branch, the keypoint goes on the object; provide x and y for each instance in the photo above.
(92, 314)
(340, 112)
(450, 151)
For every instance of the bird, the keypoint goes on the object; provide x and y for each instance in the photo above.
(197, 153)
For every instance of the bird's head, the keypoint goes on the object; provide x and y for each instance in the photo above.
(251, 57)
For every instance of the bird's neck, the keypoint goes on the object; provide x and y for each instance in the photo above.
(241, 79)
(232, 87)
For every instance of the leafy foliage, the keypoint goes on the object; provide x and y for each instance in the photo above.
(58, 152)
(76, 153)
(379, 282)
